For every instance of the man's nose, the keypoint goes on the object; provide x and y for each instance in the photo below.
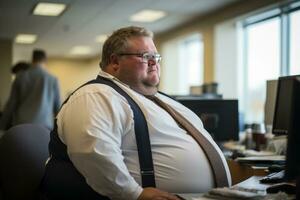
(152, 62)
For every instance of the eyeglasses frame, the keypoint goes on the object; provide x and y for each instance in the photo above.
(155, 56)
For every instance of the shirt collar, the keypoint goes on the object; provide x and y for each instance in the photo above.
(109, 76)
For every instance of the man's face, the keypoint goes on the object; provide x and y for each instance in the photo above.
(134, 70)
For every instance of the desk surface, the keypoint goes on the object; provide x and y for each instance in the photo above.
(250, 183)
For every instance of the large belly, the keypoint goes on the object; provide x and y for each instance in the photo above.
(180, 166)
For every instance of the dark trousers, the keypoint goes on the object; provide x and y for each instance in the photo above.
(63, 181)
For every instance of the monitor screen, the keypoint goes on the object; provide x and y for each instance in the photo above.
(284, 106)
(219, 116)
(286, 121)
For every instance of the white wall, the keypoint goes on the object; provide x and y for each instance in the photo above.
(22, 52)
(169, 68)
(226, 58)
(5, 67)
(72, 73)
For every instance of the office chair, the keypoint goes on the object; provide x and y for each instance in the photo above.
(23, 153)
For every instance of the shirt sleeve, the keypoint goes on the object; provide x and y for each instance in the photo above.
(92, 126)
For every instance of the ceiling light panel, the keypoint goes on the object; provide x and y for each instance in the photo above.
(101, 38)
(49, 9)
(148, 16)
(80, 50)
(25, 38)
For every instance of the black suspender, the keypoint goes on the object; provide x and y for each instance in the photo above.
(141, 133)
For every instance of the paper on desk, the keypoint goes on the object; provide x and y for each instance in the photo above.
(193, 196)
(236, 193)
(262, 158)
(233, 146)
(278, 196)
(250, 152)
(200, 198)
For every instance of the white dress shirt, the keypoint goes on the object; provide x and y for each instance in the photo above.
(97, 126)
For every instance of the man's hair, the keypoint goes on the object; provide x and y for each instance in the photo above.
(39, 55)
(118, 42)
(20, 66)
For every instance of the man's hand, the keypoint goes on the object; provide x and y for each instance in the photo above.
(155, 194)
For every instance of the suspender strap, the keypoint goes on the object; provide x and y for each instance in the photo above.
(141, 133)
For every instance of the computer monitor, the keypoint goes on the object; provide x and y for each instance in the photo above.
(287, 121)
(219, 116)
(269, 107)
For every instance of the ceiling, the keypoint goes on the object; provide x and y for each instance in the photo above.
(83, 20)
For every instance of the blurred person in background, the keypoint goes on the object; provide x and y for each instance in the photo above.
(20, 67)
(34, 97)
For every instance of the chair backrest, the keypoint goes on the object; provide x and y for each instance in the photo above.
(23, 153)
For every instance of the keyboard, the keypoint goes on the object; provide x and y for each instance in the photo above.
(276, 177)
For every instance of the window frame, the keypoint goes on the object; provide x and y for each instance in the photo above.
(283, 12)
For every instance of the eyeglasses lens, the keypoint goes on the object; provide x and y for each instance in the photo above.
(153, 57)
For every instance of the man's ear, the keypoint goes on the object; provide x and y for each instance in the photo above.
(114, 60)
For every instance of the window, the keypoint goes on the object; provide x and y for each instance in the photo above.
(182, 65)
(295, 43)
(272, 49)
(191, 60)
(263, 63)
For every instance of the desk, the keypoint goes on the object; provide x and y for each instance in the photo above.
(250, 183)
(240, 172)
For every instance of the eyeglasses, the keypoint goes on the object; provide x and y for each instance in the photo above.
(146, 57)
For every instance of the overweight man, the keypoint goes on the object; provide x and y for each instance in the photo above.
(95, 132)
